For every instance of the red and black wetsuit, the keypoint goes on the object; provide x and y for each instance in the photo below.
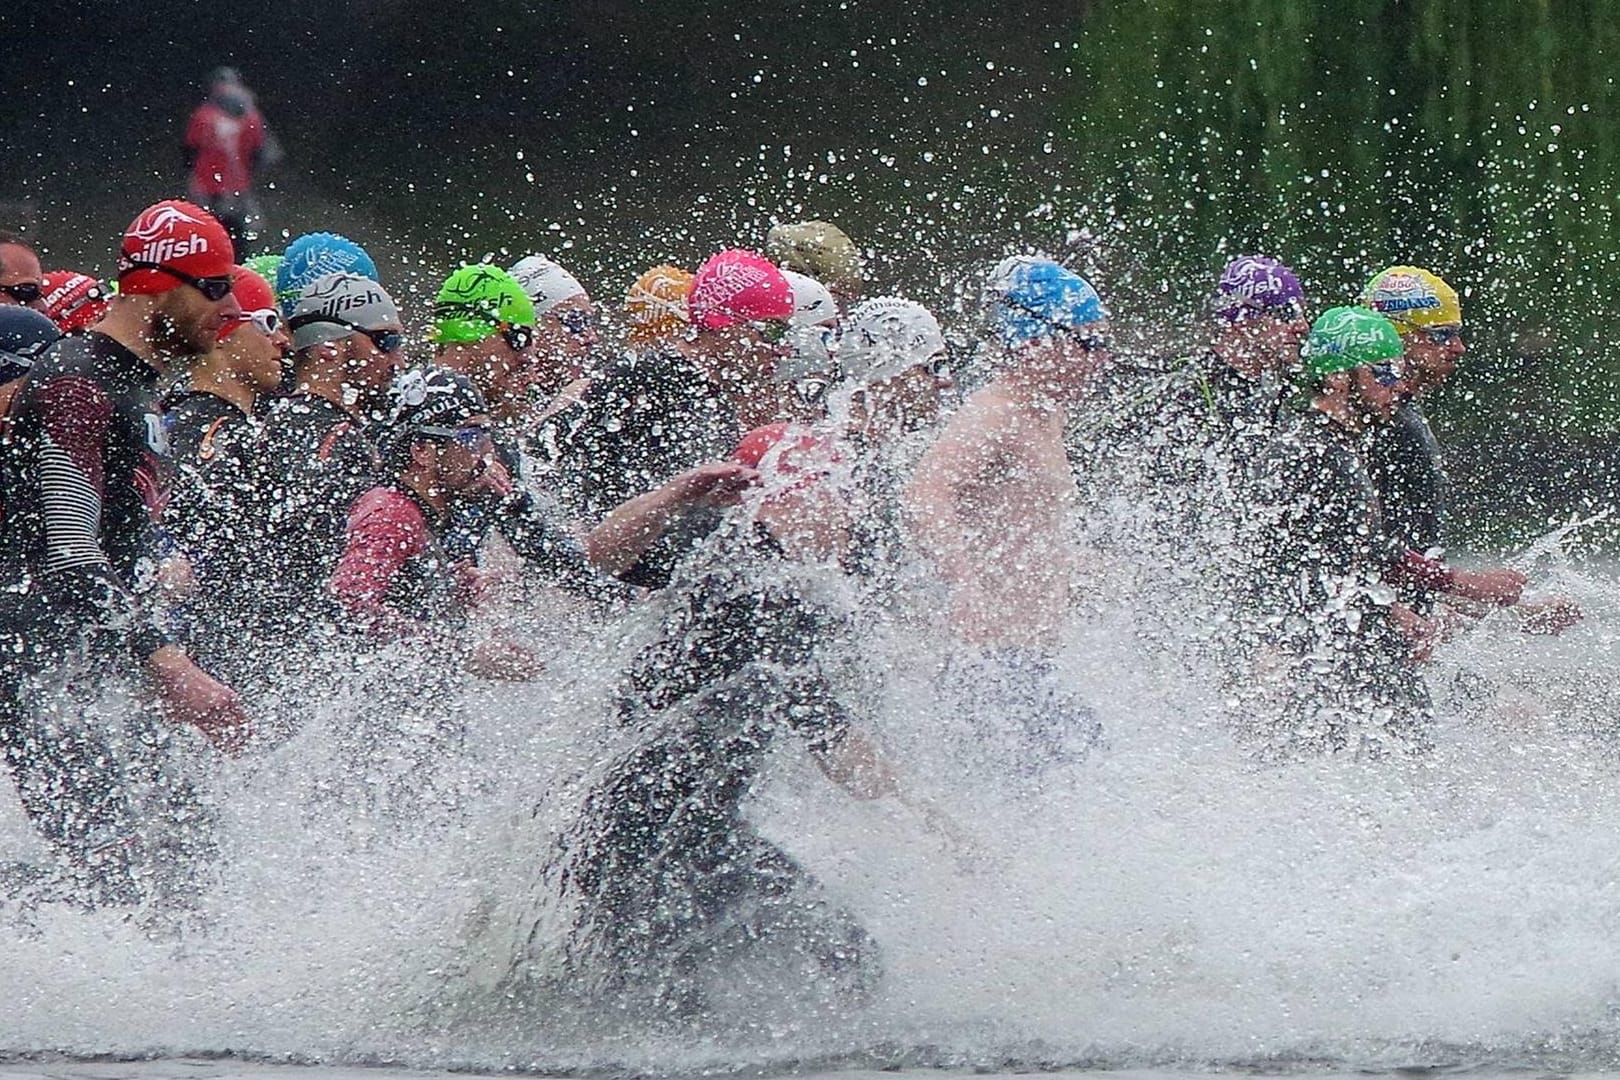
(393, 573)
(82, 484)
(1323, 593)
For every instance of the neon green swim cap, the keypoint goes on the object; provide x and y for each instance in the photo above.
(264, 265)
(1344, 338)
(476, 302)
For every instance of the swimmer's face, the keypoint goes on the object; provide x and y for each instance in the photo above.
(463, 458)
(1075, 357)
(1262, 343)
(912, 399)
(1377, 399)
(1431, 356)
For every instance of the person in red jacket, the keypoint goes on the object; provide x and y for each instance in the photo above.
(394, 577)
(226, 145)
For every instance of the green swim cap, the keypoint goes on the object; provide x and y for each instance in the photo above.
(476, 301)
(1344, 338)
(264, 265)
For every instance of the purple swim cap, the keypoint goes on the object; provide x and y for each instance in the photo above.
(1255, 285)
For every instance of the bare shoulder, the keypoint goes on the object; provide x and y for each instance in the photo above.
(988, 413)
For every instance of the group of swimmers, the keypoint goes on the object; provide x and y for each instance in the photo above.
(218, 476)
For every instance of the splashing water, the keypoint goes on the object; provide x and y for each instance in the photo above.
(1164, 902)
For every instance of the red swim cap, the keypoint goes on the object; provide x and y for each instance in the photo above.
(738, 286)
(175, 234)
(73, 300)
(252, 294)
(788, 457)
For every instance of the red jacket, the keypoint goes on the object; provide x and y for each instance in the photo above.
(225, 147)
(393, 574)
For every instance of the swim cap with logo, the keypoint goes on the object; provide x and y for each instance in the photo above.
(1255, 285)
(813, 304)
(656, 304)
(820, 249)
(435, 397)
(24, 335)
(810, 330)
(73, 300)
(1041, 298)
(175, 234)
(253, 295)
(331, 307)
(1412, 298)
(431, 397)
(315, 255)
(738, 286)
(1344, 338)
(885, 336)
(476, 301)
(546, 283)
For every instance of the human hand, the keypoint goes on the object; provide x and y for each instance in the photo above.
(189, 695)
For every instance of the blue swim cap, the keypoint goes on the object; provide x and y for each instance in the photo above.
(314, 255)
(24, 335)
(1040, 297)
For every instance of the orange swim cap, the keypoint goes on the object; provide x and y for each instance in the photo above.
(656, 304)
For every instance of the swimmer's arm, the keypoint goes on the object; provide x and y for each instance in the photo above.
(618, 543)
(1421, 634)
(855, 764)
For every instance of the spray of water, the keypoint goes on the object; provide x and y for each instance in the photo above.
(1164, 900)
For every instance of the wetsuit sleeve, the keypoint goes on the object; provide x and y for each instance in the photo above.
(78, 579)
(1420, 571)
(813, 712)
(382, 535)
(657, 564)
(550, 549)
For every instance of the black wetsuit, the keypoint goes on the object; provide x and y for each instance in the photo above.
(1187, 438)
(1214, 422)
(674, 885)
(216, 518)
(1344, 680)
(318, 460)
(83, 481)
(646, 419)
(1403, 460)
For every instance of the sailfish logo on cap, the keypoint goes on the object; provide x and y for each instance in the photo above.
(159, 221)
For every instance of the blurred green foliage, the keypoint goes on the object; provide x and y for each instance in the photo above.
(1475, 137)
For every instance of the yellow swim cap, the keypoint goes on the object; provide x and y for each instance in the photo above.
(1412, 298)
